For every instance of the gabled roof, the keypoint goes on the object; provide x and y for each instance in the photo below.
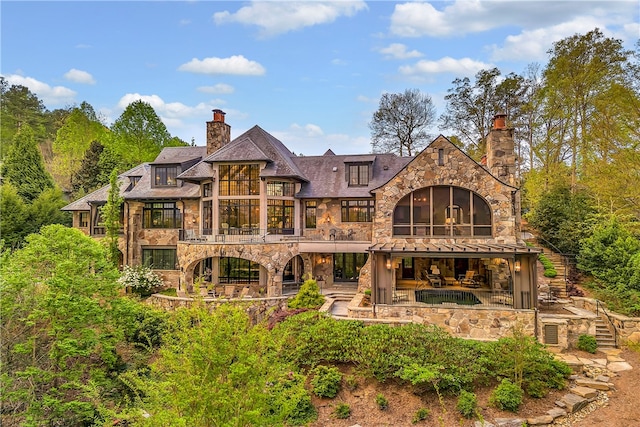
(327, 174)
(197, 173)
(258, 145)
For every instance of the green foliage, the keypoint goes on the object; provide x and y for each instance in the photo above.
(467, 404)
(507, 396)
(217, 369)
(59, 339)
(112, 219)
(309, 296)
(326, 381)
(143, 326)
(382, 402)
(351, 382)
(23, 166)
(562, 218)
(420, 415)
(90, 176)
(342, 411)
(14, 217)
(140, 279)
(536, 388)
(587, 343)
(549, 269)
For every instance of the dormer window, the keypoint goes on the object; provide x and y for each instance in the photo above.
(133, 181)
(358, 174)
(165, 176)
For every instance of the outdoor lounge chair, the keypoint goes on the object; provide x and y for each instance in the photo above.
(469, 280)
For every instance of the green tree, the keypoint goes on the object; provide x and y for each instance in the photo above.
(111, 215)
(14, 217)
(88, 177)
(45, 210)
(470, 109)
(401, 123)
(23, 166)
(73, 139)
(138, 135)
(58, 344)
(18, 108)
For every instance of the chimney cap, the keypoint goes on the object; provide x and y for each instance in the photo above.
(218, 115)
(500, 120)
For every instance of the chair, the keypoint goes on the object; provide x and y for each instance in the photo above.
(435, 280)
(469, 280)
(400, 297)
(230, 291)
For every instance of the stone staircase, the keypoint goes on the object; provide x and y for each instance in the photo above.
(604, 337)
(339, 299)
(557, 284)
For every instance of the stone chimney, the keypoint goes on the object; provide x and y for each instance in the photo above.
(501, 158)
(218, 132)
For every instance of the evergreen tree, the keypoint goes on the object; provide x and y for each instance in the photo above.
(89, 176)
(111, 217)
(24, 168)
(13, 218)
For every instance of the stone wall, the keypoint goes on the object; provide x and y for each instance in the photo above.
(570, 327)
(258, 309)
(458, 170)
(476, 323)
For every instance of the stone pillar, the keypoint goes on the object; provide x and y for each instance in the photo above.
(274, 289)
(218, 132)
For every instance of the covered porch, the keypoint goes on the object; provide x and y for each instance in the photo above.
(469, 274)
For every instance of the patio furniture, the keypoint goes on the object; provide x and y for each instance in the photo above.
(470, 280)
(450, 281)
(400, 297)
(435, 280)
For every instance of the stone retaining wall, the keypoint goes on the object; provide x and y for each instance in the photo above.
(570, 327)
(256, 308)
(477, 323)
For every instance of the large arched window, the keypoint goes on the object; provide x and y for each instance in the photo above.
(442, 211)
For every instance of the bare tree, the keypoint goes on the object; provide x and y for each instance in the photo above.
(400, 124)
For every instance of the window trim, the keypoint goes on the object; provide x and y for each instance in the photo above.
(362, 177)
(166, 180)
(86, 223)
(148, 215)
(229, 181)
(368, 206)
(310, 205)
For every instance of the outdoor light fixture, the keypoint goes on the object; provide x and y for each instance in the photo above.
(389, 263)
(517, 266)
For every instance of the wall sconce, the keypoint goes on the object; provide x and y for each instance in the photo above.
(388, 263)
(516, 266)
(328, 219)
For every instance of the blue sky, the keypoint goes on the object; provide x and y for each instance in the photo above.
(311, 73)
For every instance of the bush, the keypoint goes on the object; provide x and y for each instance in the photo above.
(467, 404)
(309, 296)
(587, 343)
(291, 399)
(351, 382)
(140, 279)
(326, 381)
(342, 411)
(382, 402)
(507, 396)
(420, 415)
(549, 269)
(536, 388)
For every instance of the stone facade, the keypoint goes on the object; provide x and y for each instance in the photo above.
(458, 170)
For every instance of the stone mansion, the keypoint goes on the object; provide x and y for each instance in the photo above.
(422, 233)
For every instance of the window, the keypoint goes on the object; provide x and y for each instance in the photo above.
(358, 210)
(358, 174)
(84, 220)
(133, 181)
(207, 216)
(238, 270)
(285, 189)
(310, 213)
(280, 216)
(160, 258)
(98, 222)
(442, 211)
(161, 215)
(236, 213)
(239, 180)
(440, 156)
(206, 189)
(347, 266)
(166, 176)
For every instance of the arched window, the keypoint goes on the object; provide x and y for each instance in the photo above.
(442, 211)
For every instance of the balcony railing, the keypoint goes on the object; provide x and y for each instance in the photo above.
(270, 235)
(453, 297)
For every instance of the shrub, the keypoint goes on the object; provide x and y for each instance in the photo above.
(507, 396)
(140, 279)
(536, 388)
(382, 402)
(467, 404)
(326, 381)
(420, 415)
(309, 296)
(291, 399)
(342, 411)
(549, 269)
(587, 343)
(351, 382)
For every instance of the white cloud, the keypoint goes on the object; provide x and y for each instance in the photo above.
(220, 88)
(50, 96)
(79, 76)
(311, 140)
(338, 61)
(459, 67)
(418, 19)
(309, 130)
(237, 64)
(398, 51)
(281, 17)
